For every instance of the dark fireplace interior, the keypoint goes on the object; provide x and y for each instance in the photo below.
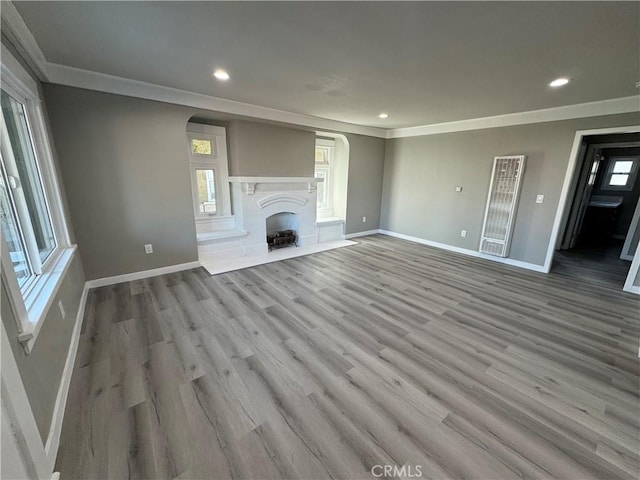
(282, 230)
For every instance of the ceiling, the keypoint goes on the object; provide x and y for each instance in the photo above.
(420, 62)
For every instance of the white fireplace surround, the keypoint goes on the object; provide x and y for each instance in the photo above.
(257, 198)
(254, 199)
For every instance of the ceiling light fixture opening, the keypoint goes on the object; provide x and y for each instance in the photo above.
(221, 75)
(383, 115)
(559, 82)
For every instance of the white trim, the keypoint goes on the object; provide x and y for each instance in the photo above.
(566, 185)
(465, 251)
(633, 272)
(17, 408)
(625, 254)
(20, 36)
(21, 84)
(234, 179)
(53, 438)
(362, 234)
(76, 77)
(566, 112)
(39, 300)
(127, 277)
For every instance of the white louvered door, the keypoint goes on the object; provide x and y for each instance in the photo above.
(501, 205)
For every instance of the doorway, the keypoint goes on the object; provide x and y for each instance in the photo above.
(601, 234)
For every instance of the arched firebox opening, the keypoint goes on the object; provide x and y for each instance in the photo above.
(282, 230)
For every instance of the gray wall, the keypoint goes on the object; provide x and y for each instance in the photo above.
(264, 150)
(125, 169)
(41, 370)
(364, 192)
(421, 174)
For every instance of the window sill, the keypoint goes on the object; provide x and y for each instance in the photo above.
(41, 296)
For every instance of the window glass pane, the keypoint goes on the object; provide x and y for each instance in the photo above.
(322, 188)
(12, 235)
(206, 191)
(322, 155)
(623, 166)
(619, 179)
(201, 147)
(26, 169)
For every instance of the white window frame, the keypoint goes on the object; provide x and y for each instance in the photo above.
(329, 145)
(217, 162)
(31, 304)
(631, 175)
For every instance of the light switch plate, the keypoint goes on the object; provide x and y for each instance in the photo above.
(539, 198)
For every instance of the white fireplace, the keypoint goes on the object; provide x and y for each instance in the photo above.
(256, 199)
(260, 205)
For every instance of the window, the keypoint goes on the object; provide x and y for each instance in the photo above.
(621, 173)
(324, 170)
(36, 251)
(201, 147)
(206, 181)
(209, 172)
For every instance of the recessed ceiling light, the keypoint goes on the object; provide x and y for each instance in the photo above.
(221, 75)
(383, 115)
(559, 82)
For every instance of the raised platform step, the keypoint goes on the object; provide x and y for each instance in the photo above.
(222, 265)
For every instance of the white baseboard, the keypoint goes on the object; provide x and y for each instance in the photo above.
(128, 277)
(361, 234)
(53, 438)
(466, 251)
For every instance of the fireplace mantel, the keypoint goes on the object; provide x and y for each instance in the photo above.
(250, 183)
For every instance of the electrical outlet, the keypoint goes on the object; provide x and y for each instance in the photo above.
(364, 219)
(539, 198)
(148, 248)
(458, 189)
(463, 233)
(61, 307)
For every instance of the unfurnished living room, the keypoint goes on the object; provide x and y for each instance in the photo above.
(320, 240)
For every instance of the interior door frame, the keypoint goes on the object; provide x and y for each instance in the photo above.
(564, 204)
(633, 226)
(581, 175)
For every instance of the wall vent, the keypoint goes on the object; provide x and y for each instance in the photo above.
(501, 205)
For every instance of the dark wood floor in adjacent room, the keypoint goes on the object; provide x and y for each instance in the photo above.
(323, 366)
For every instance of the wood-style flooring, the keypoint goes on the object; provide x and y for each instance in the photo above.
(599, 264)
(324, 366)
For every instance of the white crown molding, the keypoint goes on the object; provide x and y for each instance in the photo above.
(76, 77)
(14, 28)
(567, 112)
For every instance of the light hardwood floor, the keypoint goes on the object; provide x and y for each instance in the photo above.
(324, 366)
